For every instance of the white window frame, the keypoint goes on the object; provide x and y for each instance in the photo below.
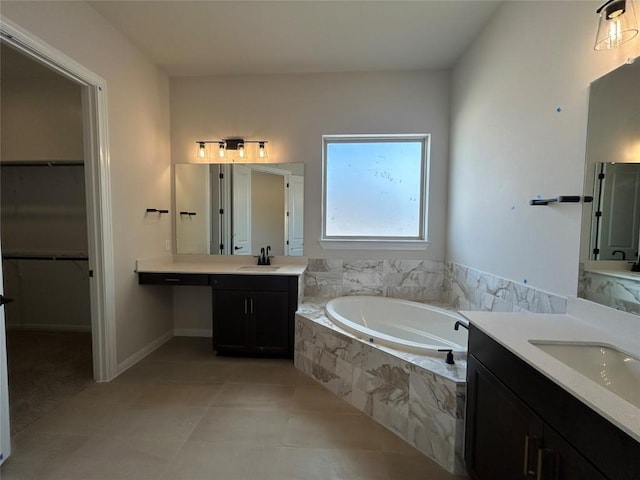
(419, 242)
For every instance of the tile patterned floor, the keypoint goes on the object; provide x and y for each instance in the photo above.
(183, 413)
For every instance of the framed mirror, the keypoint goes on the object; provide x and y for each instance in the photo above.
(610, 240)
(238, 209)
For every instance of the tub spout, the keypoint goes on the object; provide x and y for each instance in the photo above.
(460, 324)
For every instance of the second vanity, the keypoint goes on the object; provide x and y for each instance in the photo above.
(253, 305)
(553, 396)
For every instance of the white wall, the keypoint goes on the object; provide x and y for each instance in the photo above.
(292, 112)
(46, 119)
(138, 120)
(510, 143)
(267, 212)
(192, 190)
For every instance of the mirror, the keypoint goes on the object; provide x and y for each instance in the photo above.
(238, 209)
(610, 239)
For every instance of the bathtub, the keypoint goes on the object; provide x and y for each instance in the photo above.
(401, 324)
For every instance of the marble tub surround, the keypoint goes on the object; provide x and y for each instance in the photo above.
(614, 287)
(219, 264)
(420, 280)
(426, 281)
(419, 398)
(470, 289)
(584, 325)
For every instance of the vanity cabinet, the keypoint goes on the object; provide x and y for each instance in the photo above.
(254, 314)
(521, 425)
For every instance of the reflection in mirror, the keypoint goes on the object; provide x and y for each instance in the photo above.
(238, 209)
(616, 219)
(610, 239)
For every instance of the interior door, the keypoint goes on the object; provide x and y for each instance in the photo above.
(241, 214)
(295, 211)
(620, 212)
(5, 436)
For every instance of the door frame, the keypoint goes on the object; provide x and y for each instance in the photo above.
(98, 190)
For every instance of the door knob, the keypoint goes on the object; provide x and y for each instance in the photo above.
(4, 300)
(237, 248)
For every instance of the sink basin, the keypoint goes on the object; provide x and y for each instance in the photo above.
(258, 268)
(616, 371)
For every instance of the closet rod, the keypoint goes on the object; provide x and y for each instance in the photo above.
(43, 163)
(54, 257)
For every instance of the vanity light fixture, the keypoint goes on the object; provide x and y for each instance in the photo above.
(617, 24)
(238, 144)
(202, 151)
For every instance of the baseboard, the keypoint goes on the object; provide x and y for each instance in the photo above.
(143, 352)
(193, 332)
(46, 327)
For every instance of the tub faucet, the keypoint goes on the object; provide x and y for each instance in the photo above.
(449, 358)
(624, 255)
(460, 324)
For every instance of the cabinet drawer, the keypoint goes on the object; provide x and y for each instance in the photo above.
(264, 283)
(173, 278)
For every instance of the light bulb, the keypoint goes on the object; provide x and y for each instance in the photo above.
(617, 24)
(202, 153)
(261, 152)
(221, 149)
(241, 150)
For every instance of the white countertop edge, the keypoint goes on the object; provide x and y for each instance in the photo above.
(631, 276)
(612, 268)
(219, 264)
(514, 330)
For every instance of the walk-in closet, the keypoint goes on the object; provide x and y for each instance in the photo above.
(43, 234)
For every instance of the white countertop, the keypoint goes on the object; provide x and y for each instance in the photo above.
(612, 268)
(514, 330)
(221, 264)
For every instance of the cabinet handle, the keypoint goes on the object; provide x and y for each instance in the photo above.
(548, 465)
(531, 444)
(171, 279)
(251, 306)
(246, 308)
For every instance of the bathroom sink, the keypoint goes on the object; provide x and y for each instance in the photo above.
(613, 369)
(258, 268)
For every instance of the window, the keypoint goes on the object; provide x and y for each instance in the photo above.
(375, 191)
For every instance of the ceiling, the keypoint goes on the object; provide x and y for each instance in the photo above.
(306, 36)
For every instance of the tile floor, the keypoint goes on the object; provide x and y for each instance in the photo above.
(183, 413)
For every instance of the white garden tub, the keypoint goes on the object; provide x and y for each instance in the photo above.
(401, 324)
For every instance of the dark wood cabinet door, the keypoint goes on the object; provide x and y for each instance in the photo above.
(569, 464)
(503, 435)
(231, 326)
(271, 322)
(507, 440)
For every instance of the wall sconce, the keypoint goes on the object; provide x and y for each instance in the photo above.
(617, 24)
(236, 144)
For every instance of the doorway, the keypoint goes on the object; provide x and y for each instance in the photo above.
(95, 152)
(43, 226)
